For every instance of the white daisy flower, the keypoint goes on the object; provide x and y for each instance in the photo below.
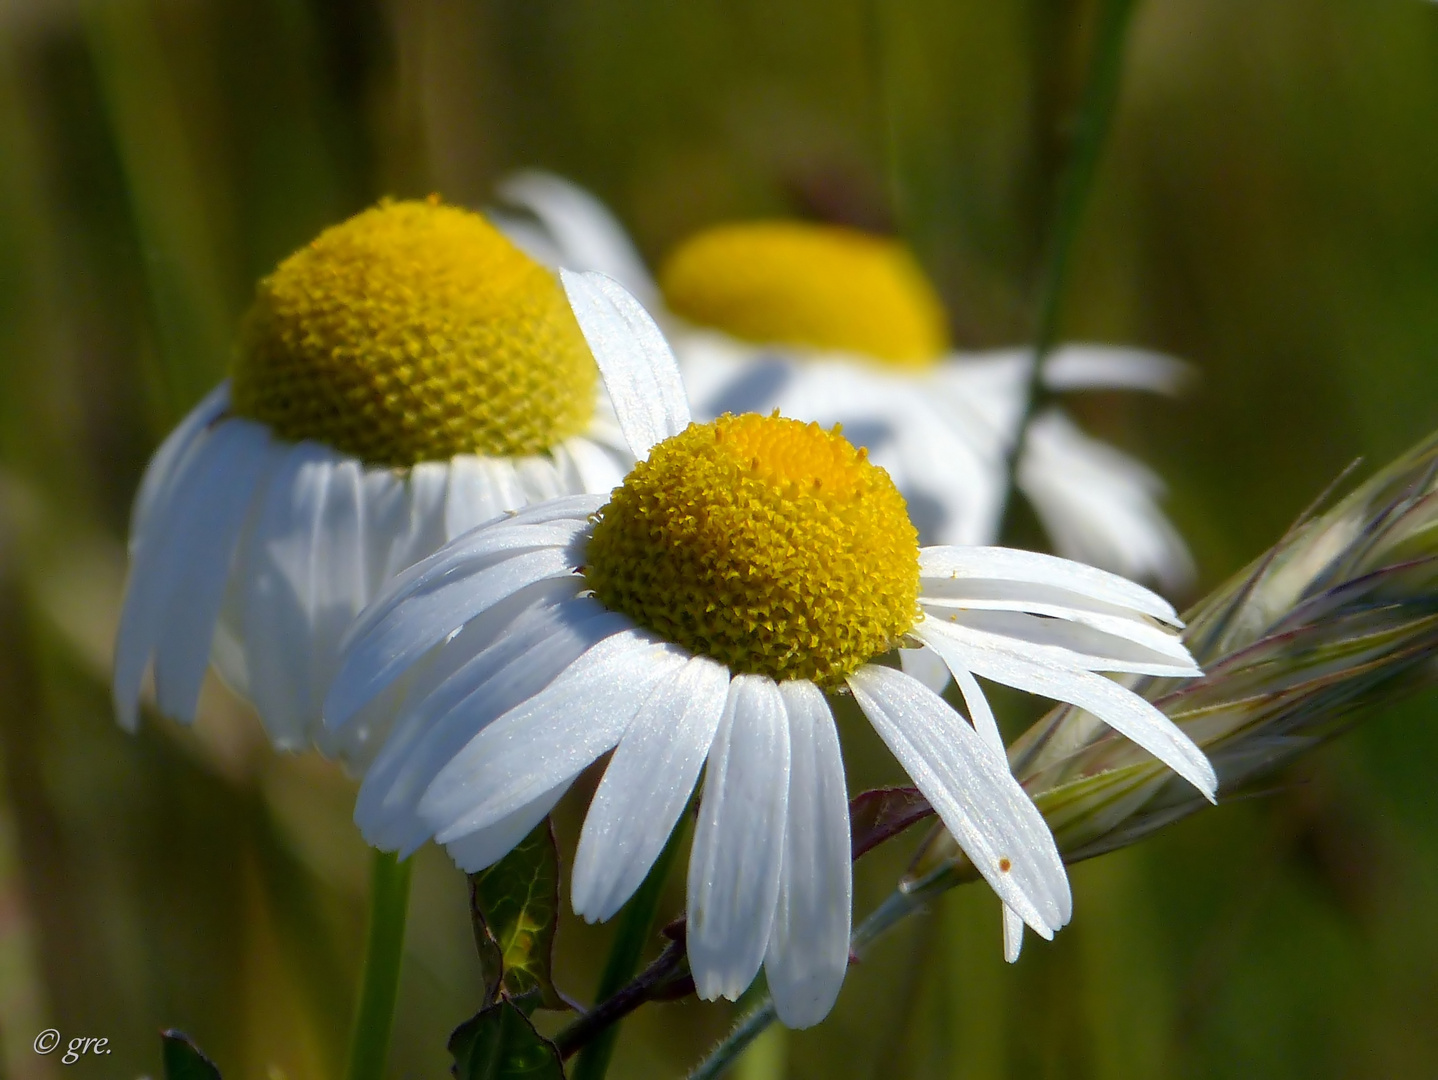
(834, 325)
(403, 378)
(697, 619)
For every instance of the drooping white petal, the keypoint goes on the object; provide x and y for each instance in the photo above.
(587, 235)
(169, 460)
(480, 489)
(485, 847)
(638, 368)
(979, 711)
(808, 950)
(1013, 935)
(1047, 577)
(598, 468)
(551, 737)
(926, 666)
(646, 786)
(178, 575)
(1120, 708)
(739, 840)
(971, 789)
(1091, 367)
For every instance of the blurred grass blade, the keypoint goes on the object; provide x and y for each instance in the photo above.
(184, 1060)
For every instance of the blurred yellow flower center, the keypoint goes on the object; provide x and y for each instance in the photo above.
(412, 332)
(771, 545)
(819, 286)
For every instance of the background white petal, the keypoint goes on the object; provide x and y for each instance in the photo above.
(808, 950)
(739, 840)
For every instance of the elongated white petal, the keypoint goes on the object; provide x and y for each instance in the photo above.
(599, 468)
(1087, 367)
(475, 851)
(480, 489)
(1116, 645)
(639, 369)
(587, 235)
(979, 711)
(972, 791)
(551, 737)
(645, 787)
(1121, 709)
(169, 460)
(926, 666)
(178, 575)
(808, 950)
(1013, 935)
(428, 614)
(487, 669)
(1034, 568)
(739, 840)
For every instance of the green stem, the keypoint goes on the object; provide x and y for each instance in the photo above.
(384, 949)
(634, 931)
(1095, 117)
(899, 905)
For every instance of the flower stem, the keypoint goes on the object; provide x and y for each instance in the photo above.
(1095, 117)
(899, 905)
(374, 1016)
(633, 933)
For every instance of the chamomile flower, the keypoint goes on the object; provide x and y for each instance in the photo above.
(406, 376)
(699, 618)
(835, 325)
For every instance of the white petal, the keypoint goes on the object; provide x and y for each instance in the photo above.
(551, 737)
(423, 531)
(170, 459)
(1034, 568)
(979, 711)
(459, 689)
(485, 847)
(639, 369)
(646, 786)
(739, 840)
(926, 666)
(480, 489)
(971, 789)
(1013, 935)
(178, 576)
(588, 236)
(1121, 709)
(600, 469)
(808, 950)
(1083, 367)
(417, 612)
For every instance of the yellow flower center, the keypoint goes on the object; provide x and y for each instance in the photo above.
(771, 545)
(814, 285)
(413, 332)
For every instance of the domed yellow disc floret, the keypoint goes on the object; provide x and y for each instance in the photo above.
(413, 332)
(817, 285)
(771, 545)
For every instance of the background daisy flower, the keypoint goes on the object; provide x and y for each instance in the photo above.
(832, 324)
(698, 618)
(406, 376)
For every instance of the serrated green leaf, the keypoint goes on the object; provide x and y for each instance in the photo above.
(499, 1043)
(514, 906)
(184, 1060)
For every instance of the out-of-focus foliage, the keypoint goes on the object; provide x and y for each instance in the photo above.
(1267, 208)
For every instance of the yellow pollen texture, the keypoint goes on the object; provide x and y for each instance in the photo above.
(820, 286)
(771, 545)
(412, 332)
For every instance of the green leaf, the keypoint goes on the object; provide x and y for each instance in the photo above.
(499, 1043)
(183, 1059)
(514, 906)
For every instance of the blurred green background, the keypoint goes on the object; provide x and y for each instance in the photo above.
(1267, 208)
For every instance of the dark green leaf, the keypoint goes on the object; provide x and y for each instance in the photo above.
(183, 1059)
(499, 1043)
(878, 815)
(514, 906)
